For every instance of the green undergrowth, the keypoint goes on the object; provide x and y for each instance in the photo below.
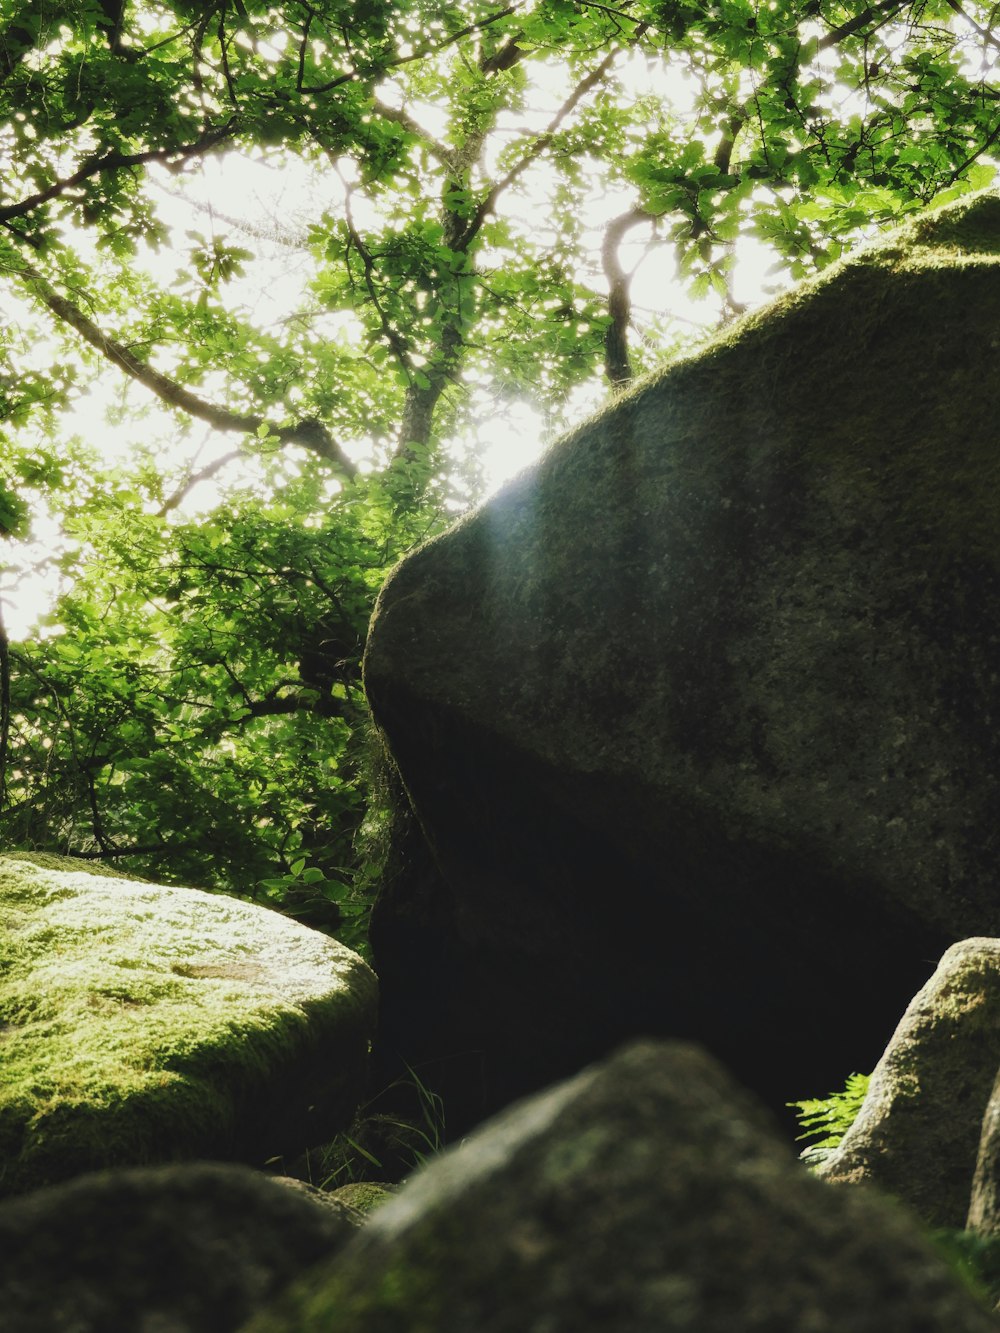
(976, 1260)
(379, 1147)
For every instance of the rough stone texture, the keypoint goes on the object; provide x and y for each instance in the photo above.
(694, 715)
(919, 1127)
(177, 1249)
(349, 1211)
(984, 1210)
(142, 1024)
(644, 1194)
(364, 1195)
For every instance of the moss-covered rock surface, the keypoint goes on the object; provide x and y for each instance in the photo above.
(142, 1023)
(187, 1248)
(917, 1135)
(645, 1194)
(698, 715)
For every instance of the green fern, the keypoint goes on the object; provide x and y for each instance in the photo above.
(827, 1119)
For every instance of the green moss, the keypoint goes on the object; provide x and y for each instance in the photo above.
(133, 1017)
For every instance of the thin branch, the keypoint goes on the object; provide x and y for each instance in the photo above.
(16, 41)
(396, 342)
(403, 118)
(988, 142)
(885, 11)
(617, 364)
(97, 822)
(177, 498)
(540, 145)
(113, 161)
(432, 49)
(309, 433)
(984, 33)
(144, 849)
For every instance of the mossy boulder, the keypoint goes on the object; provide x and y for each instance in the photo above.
(187, 1248)
(142, 1024)
(697, 717)
(918, 1132)
(646, 1193)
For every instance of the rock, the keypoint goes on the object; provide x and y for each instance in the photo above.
(646, 1193)
(364, 1195)
(342, 1205)
(984, 1210)
(175, 1249)
(694, 715)
(142, 1024)
(918, 1130)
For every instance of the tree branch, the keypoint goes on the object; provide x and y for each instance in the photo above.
(885, 11)
(113, 161)
(144, 849)
(16, 41)
(543, 141)
(403, 118)
(177, 498)
(984, 33)
(432, 49)
(617, 364)
(309, 433)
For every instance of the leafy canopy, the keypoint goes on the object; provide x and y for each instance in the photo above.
(474, 187)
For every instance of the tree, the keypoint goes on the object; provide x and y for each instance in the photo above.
(197, 678)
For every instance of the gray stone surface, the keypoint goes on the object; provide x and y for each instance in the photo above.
(646, 1193)
(694, 715)
(177, 1249)
(919, 1128)
(984, 1210)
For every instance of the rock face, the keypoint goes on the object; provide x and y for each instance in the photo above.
(984, 1211)
(643, 1194)
(141, 1024)
(918, 1132)
(693, 716)
(182, 1249)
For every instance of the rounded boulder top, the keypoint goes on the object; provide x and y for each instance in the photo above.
(143, 1023)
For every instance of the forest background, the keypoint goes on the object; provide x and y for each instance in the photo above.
(278, 278)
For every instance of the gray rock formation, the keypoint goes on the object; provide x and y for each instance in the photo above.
(177, 1249)
(695, 715)
(643, 1194)
(142, 1024)
(984, 1210)
(918, 1131)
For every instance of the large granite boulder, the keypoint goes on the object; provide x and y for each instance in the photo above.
(694, 717)
(169, 1249)
(647, 1193)
(918, 1132)
(143, 1024)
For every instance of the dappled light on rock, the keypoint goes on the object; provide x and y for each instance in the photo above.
(141, 1023)
(694, 716)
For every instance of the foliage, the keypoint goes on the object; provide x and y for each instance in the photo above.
(379, 1146)
(472, 187)
(827, 1119)
(976, 1259)
(209, 672)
